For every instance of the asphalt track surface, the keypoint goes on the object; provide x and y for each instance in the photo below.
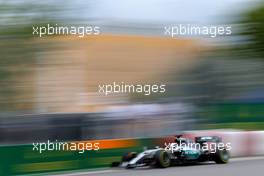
(251, 166)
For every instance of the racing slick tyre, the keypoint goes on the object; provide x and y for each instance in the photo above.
(129, 156)
(221, 157)
(162, 159)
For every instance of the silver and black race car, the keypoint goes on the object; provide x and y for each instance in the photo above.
(183, 151)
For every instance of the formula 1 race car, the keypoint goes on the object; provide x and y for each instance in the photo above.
(183, 151)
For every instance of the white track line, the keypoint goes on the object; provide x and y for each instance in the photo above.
(89, 172)
(247, 158)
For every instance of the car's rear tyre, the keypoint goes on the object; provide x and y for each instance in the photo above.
(162, 159)
(222, 157)
(129, 156)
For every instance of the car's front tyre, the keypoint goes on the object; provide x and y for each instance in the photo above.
(162, 159)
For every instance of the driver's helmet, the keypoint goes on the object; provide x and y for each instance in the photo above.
(180, 140)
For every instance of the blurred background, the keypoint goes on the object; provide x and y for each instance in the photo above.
(49, 85)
